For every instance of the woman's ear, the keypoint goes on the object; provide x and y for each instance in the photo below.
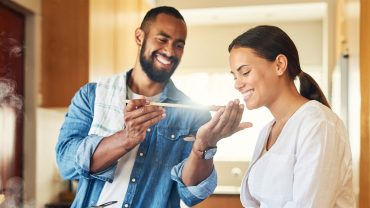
(281, 64)
(139, 36)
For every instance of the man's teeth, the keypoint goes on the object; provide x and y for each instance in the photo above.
(163, 60)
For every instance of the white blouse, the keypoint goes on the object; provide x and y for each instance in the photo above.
(310, 164)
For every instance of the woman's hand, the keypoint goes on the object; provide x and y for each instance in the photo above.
(224, 123)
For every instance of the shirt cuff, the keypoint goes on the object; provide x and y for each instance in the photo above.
(200, 191)
(83, 160)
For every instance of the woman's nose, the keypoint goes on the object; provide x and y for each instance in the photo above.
(238, 84)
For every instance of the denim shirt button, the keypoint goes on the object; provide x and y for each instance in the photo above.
(141, 154)
(148, 130)
(133, 180)
(172, 136)
(126, 205)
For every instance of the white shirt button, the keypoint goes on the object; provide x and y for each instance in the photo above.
(133, 180)
(141, 154)
(172, 136)
(126, 205)
(148, 130)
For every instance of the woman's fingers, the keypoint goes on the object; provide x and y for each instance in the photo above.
(232, 119)
(238, 118)
(224, 118)
(215, 119)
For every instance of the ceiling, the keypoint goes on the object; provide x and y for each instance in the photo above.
(250, 13)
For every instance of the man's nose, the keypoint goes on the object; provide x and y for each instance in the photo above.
(169, 51)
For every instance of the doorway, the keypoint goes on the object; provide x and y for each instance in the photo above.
(12, 36)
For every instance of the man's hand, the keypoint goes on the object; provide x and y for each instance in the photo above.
(224, 123)
(139, 116)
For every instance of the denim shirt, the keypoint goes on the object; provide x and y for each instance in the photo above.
(159, 162)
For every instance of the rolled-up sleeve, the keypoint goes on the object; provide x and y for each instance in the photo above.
(192, 195)
(75, 147)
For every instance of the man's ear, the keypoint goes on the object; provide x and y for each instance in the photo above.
(281, 62)
(139, 36)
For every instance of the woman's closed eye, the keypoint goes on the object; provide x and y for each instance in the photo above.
(245, 73)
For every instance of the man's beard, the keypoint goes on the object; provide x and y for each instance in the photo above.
(155, 74)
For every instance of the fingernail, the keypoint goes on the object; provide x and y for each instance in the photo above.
(163, 115)
(241, 106)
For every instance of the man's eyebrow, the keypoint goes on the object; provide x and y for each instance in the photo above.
(164, 34)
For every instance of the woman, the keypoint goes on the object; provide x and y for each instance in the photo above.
(302, 157)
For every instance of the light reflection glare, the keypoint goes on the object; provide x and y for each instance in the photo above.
(218, 89)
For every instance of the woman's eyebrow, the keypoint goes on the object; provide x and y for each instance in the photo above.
(240, 67)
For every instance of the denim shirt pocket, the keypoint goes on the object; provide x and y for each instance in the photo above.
(172, 134)
(172, 143)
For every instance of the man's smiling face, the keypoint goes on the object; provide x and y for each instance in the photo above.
(162, 47)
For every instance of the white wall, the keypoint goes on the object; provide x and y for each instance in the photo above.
(222, 3)
(206, 45)
(48, 181)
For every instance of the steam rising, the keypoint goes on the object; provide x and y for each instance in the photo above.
(10, 45)
(8, 96)
(11, 190)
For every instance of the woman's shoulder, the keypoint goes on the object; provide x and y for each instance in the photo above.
(316, 118)
(315, 111)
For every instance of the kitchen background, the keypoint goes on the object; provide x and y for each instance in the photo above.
(70, 42)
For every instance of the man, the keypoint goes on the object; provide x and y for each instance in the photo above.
(139, 155)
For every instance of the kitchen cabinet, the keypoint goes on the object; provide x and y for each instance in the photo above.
(83, 41)
(221, 201)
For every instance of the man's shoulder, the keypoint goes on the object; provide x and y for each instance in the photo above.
(88, 88)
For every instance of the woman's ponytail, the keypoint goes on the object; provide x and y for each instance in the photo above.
(310, 89)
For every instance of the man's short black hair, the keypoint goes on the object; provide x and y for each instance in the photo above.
(153, 13)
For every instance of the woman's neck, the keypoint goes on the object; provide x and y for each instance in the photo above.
(286, 104)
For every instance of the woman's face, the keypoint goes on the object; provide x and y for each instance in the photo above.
(254, 77)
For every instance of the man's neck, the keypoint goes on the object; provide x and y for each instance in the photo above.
(140, 83)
